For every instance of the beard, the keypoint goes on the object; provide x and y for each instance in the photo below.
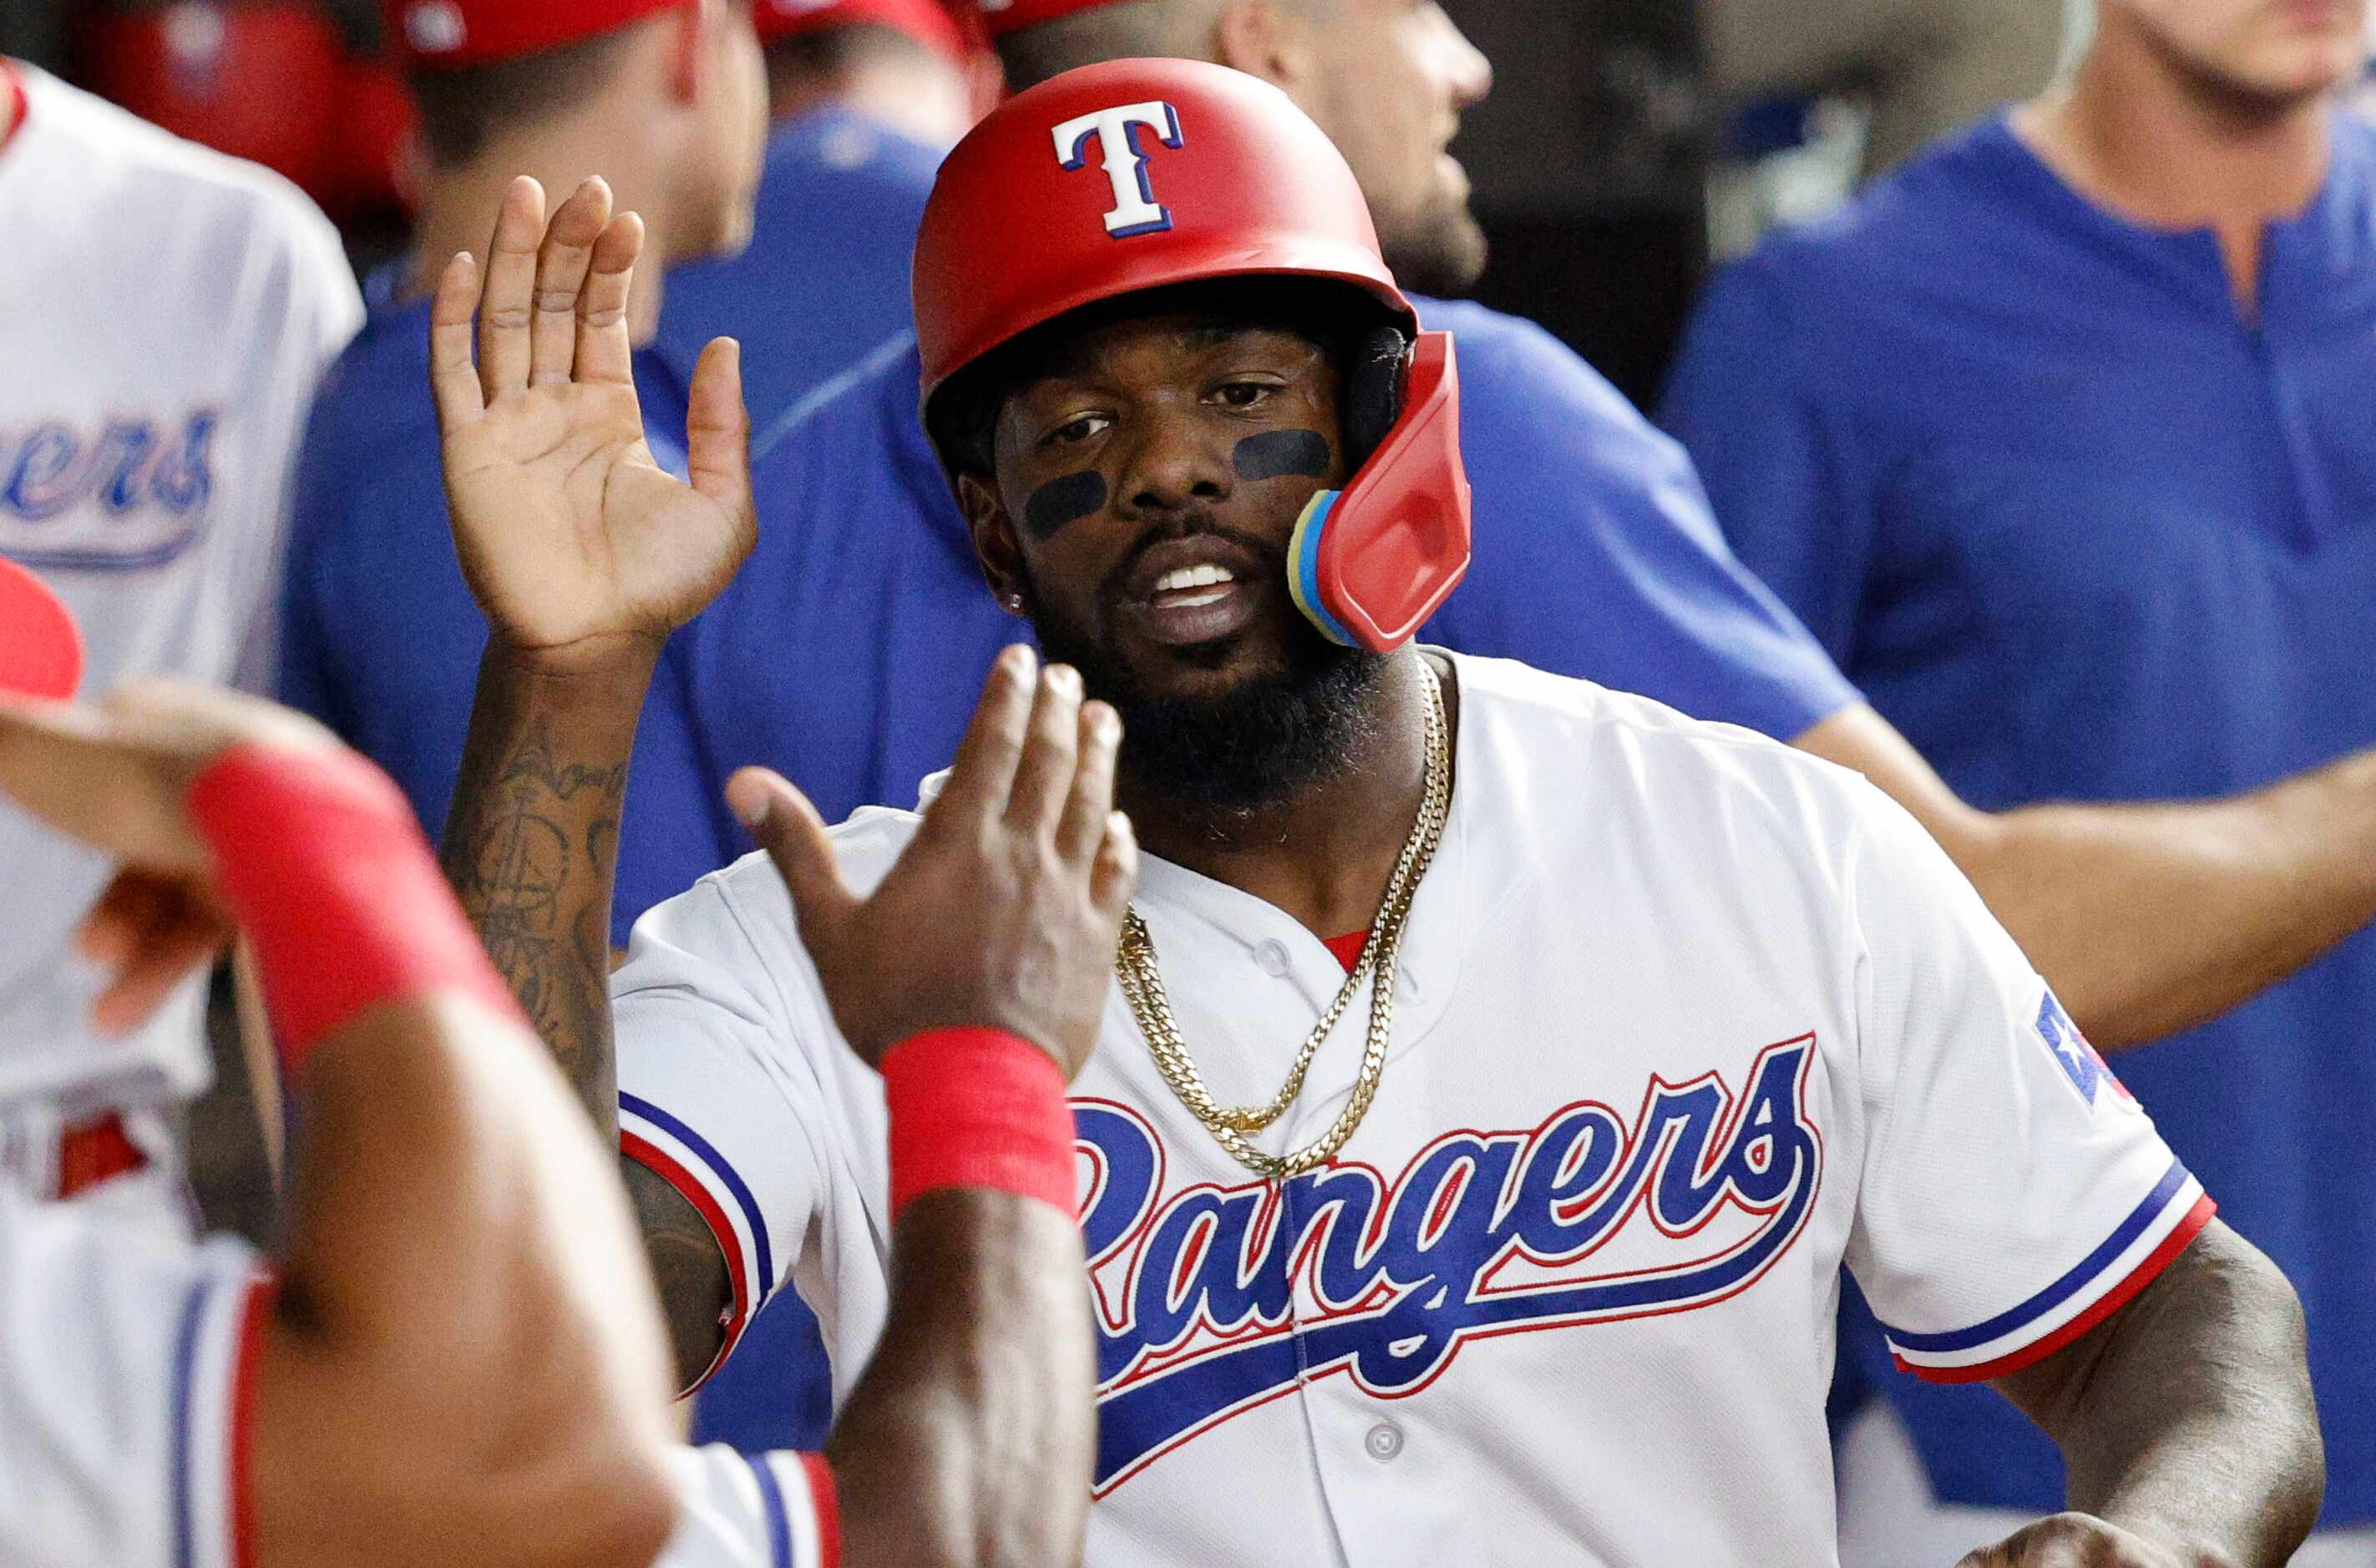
(1254, 745)
(1440, 252)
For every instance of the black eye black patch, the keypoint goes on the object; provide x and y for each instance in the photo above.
(1062, 501)
(1275, 453)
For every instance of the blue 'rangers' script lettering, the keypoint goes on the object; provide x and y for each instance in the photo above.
(1207, 1299)
(126, 495)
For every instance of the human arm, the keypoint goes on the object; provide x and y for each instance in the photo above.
(967, 1440)
(2019, 1220)
(585, 556)
(2149, 918)
(2149, 1408)
(459, 1350)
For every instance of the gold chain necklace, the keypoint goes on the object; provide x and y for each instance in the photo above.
(1142, 985)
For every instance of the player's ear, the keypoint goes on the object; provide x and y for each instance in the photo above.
(1263, 39)
(996, 549)
(694, 27)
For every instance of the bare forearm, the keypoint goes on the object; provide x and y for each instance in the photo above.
(2149, 918)
(2188, 1419)
(967, 1441)
(453, 1230)
(2152, 919)
(445, 1191)
(532, 847)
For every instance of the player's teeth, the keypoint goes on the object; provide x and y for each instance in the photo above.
(1193, 576)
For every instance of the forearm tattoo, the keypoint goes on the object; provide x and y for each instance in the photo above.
(532, 852)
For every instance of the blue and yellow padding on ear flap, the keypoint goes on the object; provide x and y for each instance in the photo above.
(1303, 566)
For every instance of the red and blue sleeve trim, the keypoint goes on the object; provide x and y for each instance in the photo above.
(797, 1507)
(2129, 1259)
(825, 1499)
(771, 1507)
(688, 1162)
(216, 1350)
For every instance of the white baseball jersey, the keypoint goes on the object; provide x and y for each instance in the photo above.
(121, 1343)
(1685, 1020)
(125, 1364)
(164, 315)
(751, 1510)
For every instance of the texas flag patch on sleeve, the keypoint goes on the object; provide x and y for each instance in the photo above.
(2078, 1060)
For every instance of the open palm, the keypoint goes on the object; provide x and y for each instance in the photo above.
(577, 544)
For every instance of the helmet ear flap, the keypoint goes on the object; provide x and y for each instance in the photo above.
(1366, 565)
(1373, 392)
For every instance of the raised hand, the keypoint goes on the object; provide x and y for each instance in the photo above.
(116, 775)
(579, 548)
(1004, 910)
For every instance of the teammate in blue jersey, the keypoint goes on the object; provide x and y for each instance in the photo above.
(2063, 441)
(1598, 558)
(381, 638)
(865, 96)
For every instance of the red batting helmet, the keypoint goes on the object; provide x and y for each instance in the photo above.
(1139, 174)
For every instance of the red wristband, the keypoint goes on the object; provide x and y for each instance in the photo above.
(978, 1107)
(319, 860)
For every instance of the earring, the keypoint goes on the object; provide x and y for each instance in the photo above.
(1015, 602)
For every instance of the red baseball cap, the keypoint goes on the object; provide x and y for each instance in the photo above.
(926, 21)
(41, 650)
(436, 33)
(1003, 16)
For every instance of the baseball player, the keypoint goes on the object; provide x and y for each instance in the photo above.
(1608, 564)
(1501, 1068)
(866, 96)
(457, 1359)
(848, 647)
(164, 315)
(2137, 322)
(666, 98)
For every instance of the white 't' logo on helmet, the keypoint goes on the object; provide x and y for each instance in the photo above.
(1135, 210)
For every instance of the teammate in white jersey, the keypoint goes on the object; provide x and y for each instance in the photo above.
(1643, 1027)
(165, 312)
(457, 1359)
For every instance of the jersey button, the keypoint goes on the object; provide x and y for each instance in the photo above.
(1386, 1440)
(1272, 956)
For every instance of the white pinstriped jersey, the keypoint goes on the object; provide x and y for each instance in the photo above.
(1685, 1021)
(164, 315)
